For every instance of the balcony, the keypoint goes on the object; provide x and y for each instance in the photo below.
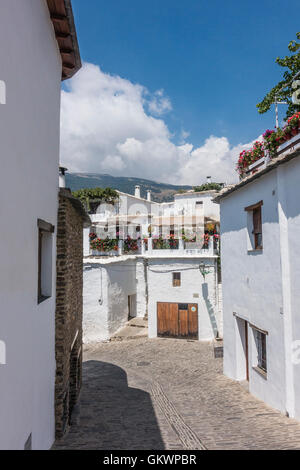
(156, 248)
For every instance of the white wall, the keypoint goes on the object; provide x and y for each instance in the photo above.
(187, 202)
(251, 284)
(110, 281)
(121, 279)
(29, 136)
(160, 289)
(95, 304)
(288, 178)
(141, 288)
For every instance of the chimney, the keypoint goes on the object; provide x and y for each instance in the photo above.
(148, 195)
(208, 179)
(137, 192)
(62, 178)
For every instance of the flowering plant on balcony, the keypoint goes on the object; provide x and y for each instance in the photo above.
(206, 238)
(105, 245)
(92, 236)
(170, 242)
(189, 239)
(272, 140)
(247, 157)
(292, 127)
(130, 245)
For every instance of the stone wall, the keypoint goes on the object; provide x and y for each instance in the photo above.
(68, 321)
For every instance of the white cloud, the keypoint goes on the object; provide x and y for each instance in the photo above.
(106, 128)
(159, 104)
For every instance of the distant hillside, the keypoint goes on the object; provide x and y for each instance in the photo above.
(161, 192)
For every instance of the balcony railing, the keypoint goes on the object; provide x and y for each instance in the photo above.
(158, 247)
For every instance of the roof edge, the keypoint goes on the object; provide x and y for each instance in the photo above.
(270, 167)
(62, 17)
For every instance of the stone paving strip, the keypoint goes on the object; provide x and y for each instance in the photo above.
(170, 394)
(188, 438)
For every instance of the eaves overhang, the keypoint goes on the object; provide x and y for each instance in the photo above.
(62, 17)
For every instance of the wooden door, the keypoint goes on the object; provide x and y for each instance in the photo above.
(183, 320)
(193, 320)
(177, 320)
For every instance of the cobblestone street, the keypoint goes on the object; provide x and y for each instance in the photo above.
(170, 394)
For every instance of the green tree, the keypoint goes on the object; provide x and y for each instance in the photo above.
(283, 91)
(87, 195)
(208, 187)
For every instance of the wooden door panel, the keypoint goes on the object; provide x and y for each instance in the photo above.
(183, 323)
(173, 319)
(193, 320)
(162, 317)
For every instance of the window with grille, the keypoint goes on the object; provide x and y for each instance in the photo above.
(261, 345)
(176, 279)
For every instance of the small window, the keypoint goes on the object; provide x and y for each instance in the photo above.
(255, 226)
(261, 345)
(199, 203)
(45, 246)
(176, 279)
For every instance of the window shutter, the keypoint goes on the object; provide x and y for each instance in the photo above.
(257, 221)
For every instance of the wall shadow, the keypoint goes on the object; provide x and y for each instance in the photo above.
(210, 309)
(113, 416)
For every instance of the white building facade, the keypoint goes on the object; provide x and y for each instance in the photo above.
(172, 289)
(30, 77)
(260, 232)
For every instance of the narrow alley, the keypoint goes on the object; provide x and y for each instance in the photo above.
(168, 394)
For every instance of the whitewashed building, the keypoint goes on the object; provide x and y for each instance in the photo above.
(186, 217)
(38, 50)
(171, 276)
(260, 232)
(178, 293)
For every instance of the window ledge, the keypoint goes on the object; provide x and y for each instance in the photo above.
(254, 251)
(42, 298)
(261, 372)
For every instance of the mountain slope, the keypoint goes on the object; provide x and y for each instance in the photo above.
(161, 192)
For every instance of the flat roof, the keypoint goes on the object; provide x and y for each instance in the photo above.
(192, 193)
(135, 197)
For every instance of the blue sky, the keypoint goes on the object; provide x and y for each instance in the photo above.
(214, 60)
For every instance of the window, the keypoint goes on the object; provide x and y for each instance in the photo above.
(257, 228)
(261, 346)
(176, 279)
(44, 260)
(255, 225)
